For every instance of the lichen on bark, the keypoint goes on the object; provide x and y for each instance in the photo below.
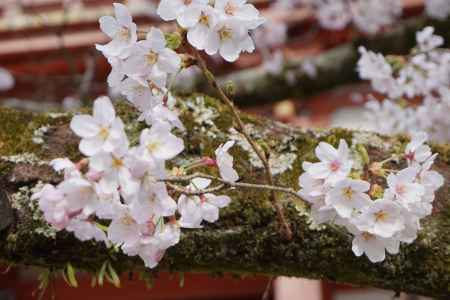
(246, 239)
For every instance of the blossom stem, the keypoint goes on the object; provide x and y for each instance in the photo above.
(259, 152)
(224, 184)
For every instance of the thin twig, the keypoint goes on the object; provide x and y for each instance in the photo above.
(229, 184)
(191, 192)
(241, 127)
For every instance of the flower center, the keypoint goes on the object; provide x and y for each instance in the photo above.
(230, 9)
(104, 133)
(127, 220)
(123, 34)
(117, 162)
(380, 216)
(153, 146)
(152, 57)
(335, 165)
(225, 33)
(187, 2)
(348, 193)
(400, 189)
(410, 156)
(204, 19)
(367, 236)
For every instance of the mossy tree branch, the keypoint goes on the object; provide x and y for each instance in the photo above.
(335, 67)
(246, 239)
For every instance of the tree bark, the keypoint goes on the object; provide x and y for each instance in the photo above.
(246, 239)
(334, 67)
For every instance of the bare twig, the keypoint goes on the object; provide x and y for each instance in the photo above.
(224, 184)
(259, 152)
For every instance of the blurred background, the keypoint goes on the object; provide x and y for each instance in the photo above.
(49, 63)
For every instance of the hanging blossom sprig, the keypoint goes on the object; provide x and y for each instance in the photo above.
(123, 195)
(379, 218)
(129, 187)
(423, 75)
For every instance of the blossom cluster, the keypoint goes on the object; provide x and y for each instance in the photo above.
(423, 75)
(125, 186)
(378, 219)
(118, 194)
(222, 27)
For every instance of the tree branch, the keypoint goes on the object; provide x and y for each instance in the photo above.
(246, 238)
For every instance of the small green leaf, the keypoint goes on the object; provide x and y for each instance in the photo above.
(71, 276)
(101, 227)
(101, 274)
(362, 151)
(173, 40)
(112, 276)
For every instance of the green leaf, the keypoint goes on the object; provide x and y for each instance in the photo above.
(101, 227)
(173, 40)
(101, 274)
(71, 275)
(112, 276)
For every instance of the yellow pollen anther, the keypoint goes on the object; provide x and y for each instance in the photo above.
(204, 19)
(104, 133)
(152, 146)
(152, 57)
(123, 34)
(117, 162)
(348, 193)
(367, 236)
(225, 33)
(127, 220)
(380, 216)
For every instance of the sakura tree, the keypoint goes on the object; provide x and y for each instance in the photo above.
(141, 185)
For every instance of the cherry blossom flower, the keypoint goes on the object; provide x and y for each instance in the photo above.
(101, 132)
(334, 164)
(382, 217)
(403, 186)
(427, 40)
(225, 162)
(124, 230)
(121, 29)
(199, 31)
(159, 143)
(152, 200)
(416, 152)
(144, 94)
(186, 12)
(54, 206)
(374, 246)
(152, 53)
(195, 209)
(86, 230)
(229, 38)
(349, 195)
(115, 172)
(246, 13)
(161, 114)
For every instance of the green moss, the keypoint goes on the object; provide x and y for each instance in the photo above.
(247, 239)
